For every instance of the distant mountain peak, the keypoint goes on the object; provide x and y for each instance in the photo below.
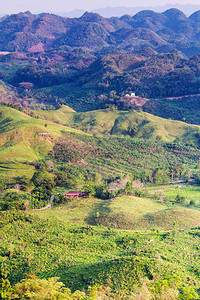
(146, 13)
(28, 12)
(195, 16)
(90, 17)
(175, 13)
(25, 13)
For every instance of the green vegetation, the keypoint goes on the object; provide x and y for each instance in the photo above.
(181, 108)
(23, 144)
(125, 212)
(122, 240)
(99, 204)
(190, 192)
(119, 261)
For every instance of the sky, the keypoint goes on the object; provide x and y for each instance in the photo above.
(38, 6)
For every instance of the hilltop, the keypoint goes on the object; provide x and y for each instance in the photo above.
(26, 139)
(119, 123)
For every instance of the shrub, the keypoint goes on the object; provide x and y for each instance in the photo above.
(12, 200)
(192, 203)
(139, 193)
(179, 199)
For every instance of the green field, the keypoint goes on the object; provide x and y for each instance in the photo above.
(188, 191)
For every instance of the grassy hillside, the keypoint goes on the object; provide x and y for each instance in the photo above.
(189, 192)
(126, 212)
(133, 250)
(21, 141)
(116, 122)
(142, 213)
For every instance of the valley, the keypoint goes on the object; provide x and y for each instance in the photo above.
(100, 115)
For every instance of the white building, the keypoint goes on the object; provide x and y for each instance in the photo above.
(131, 95)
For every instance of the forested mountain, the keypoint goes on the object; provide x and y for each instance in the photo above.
(170, 30)
(92, 61)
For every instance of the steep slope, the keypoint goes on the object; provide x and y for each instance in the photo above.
(195, 16)
(91, 35)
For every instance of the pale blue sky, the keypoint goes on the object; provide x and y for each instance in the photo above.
(36, 6)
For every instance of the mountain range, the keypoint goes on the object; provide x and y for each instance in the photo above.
(169, 31)
(109, 12)
(92, 61)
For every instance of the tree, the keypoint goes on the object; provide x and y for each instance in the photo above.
(2, 184)
(61, 180)
(34, 288)
(24, 182)
(89, 188)
(4, 284)
(12, 200)
(161, 176)
(43, 189)
(40, 289)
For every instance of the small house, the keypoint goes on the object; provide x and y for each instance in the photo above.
(72, 194)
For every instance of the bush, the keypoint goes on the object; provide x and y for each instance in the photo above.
(132, 129)
(192, 203)
(139, 193)
(102, 193)
(179, 199)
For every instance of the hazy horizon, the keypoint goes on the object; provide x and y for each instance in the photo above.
(38, 6)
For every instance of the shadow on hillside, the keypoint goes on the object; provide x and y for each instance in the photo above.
(100, 209)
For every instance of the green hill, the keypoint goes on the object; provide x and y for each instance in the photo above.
(116, 122)
(25, 140)
(143, 213)
(64, 241)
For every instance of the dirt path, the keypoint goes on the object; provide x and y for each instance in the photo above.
(49, 205)
(179, 97)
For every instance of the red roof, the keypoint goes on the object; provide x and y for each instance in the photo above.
(73, 193)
